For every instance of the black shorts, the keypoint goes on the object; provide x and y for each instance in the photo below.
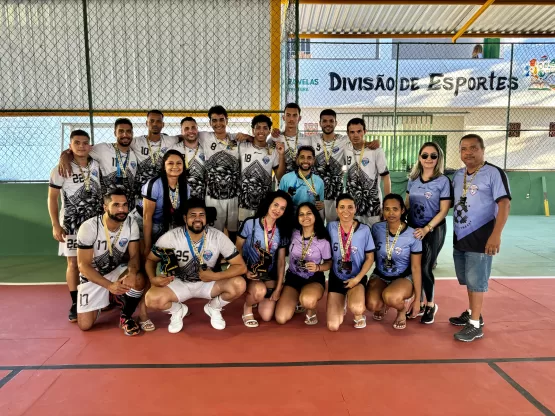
(297, 282)
(336, 285)
(269, 290)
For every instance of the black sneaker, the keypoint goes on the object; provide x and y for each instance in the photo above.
(429, 314)
(129, 326)
(469, 333)
(463, 319)
(72, 313)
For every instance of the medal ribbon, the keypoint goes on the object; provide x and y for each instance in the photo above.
(304, 251)
(310, 185)
(465, 186)
(86, 179)
(197, 254)
(388, 248)
(268, 244)
(345, 241)
(121, 167)
(174, 196)
(195, 155)
(327, 156)
(107, 234)
(153, 155)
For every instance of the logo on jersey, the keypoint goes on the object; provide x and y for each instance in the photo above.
(266, 160)
(365, 161)
(133, 165)
(473, 189)
(335, 149)
(428, 195)
(398, 250)
(94, 173)
(123, 242)
(207, 255)
(354, 249)
(201, 157)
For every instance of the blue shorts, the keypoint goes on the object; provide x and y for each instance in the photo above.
(473, 269)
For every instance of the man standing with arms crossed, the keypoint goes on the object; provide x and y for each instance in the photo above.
(482, 205)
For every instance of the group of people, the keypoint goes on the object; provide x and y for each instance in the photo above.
(150, 222)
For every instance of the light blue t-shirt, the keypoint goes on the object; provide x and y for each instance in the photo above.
(292, 183)
(361, 243)
(425, 198)
(252, 232)
(153, 190)
(473, 222)
(406, 245)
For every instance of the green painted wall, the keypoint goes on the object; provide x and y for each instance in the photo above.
(25, 225)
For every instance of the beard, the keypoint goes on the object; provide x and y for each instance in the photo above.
(195, 231)
(118, 217)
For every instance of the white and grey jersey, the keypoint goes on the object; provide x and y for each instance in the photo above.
(150, 165)
(292, 144)
(78, 203)
(114, 173)
(330, 170)
(222, 165)
(216, 244)
(196, 177)
(91, 235)
(257, 164)
(363, 181)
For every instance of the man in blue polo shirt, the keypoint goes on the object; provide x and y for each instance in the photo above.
(302, 184)
(482, 205)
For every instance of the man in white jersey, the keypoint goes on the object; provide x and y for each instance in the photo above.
(291, 137)
(108, 256)
(189, 253)
(189, 146)
(221, 150)
(364, 169)
(80, 194)
(151, 148)
(258, 160)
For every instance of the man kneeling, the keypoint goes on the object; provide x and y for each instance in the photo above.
(103, 244)
(196, 248)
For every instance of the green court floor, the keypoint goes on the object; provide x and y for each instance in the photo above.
(527, 249)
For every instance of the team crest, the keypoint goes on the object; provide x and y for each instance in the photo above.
(428, 195)
(473, 189)
(207, 255)
(123, 242)
(365, 161)
(94, 173)
(201, 156)
(266, 160)
(398, 250)
(133, 165)
(335, 149)
(354, 249)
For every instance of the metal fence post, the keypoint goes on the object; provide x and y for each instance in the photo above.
(508, 107)
(88, 67)
(297, 50)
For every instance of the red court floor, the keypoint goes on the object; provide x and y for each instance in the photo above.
(49, 367)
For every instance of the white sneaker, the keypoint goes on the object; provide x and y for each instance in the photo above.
(176, 320)
(215, 314)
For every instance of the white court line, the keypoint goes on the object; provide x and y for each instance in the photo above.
(437, 278)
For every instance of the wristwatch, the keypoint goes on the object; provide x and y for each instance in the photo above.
(430, 228)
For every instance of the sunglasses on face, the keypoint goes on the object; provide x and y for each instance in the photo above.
(433, 156)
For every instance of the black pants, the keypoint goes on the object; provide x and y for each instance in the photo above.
(431, 246)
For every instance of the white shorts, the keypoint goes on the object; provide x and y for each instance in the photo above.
(69, 248)
(92, 297)
(369, 221)
(330, 211)
(189, 290)
(228, 213)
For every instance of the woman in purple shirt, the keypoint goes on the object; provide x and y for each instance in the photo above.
(309, 258)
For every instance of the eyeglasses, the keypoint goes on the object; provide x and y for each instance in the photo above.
(433, 156)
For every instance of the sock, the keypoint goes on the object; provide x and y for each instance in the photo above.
(475, 323)
(130, 301)
(218, 302)
(73, 294)
(174, 308)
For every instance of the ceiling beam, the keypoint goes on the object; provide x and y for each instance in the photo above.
(418, 35)
(472, 19)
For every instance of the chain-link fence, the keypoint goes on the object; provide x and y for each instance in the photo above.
(67, 64)
(412, 92)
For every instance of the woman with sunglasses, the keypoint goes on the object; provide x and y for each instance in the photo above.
(309, 258)
(262, 241)
(429, 197)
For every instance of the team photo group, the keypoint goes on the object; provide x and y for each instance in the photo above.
(273, 219)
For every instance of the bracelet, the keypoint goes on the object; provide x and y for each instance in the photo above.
(430, 227)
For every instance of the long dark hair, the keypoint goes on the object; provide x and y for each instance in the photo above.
(399, 199)
(320, 230)
(170, 218)
(285, 222)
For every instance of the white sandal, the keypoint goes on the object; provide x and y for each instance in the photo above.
(358, 321)
(311, 320)
(250, 323)
(147, 326)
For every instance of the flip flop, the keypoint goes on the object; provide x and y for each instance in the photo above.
(250, 323)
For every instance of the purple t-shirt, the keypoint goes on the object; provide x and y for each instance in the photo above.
(319, 251)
